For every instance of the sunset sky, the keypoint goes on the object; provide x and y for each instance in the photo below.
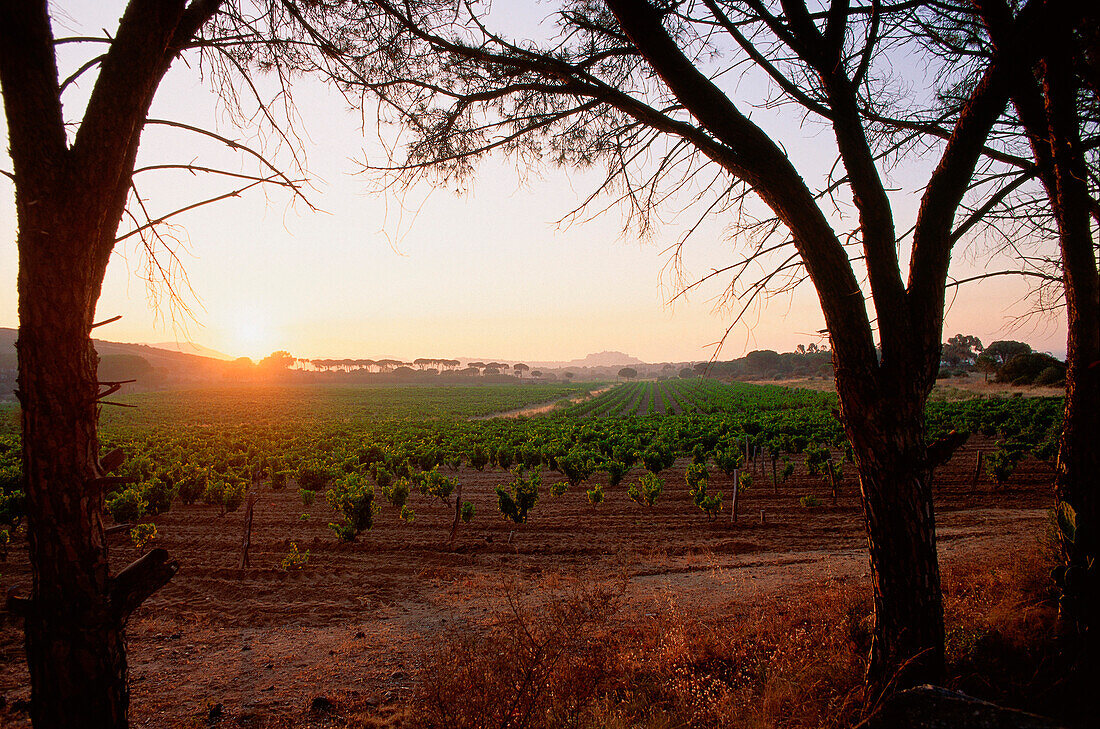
(487, 273)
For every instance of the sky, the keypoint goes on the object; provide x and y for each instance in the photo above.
(489, 273)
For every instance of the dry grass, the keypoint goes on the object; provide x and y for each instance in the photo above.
(578, 654)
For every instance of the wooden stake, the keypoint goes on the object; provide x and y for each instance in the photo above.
(249, 507)
(458, 513)
(733, 505)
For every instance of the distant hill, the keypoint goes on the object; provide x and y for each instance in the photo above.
(605, 359)
(192, 348)
(151, 366)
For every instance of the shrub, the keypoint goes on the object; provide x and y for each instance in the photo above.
(158, 494)
(595, 494)
(788, 470)
(479, 459)
(353, 498)
(192, 484)
(225, 494)
(697, 480)
(809, 502)
(615, 471)
(313, 476)
(1001, 463)
(308, 496)
(126, 506)
(657, 458)
(647, 490)
(518, 498)
(294, 560)
(1051, 376)
(1024, 369)
(142, 534)
(397, 493)
(467, 512)
(576, 466)
(729, 460)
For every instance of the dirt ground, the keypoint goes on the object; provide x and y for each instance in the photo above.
(262, 642)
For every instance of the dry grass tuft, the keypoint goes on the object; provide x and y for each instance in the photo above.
(578, 655)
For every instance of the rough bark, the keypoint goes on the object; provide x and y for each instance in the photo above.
(882, 399)
(69, 202)
(1046, 100)
(887, 435)
(1078, 457)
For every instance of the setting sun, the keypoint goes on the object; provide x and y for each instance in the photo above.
(251, 334)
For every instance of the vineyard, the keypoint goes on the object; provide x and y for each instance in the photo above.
(361, 447)
(299, 514)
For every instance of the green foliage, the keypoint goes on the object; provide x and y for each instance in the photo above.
(294, 560)
(647, 490)
(142, 534)
(381, 476)
(397, 493)
(352, 497)
(809, 502)
(158, 494)
(729, 459)
(228, 495)
(615, 471)
(744, 482)
(576, 466)
(466, 513)
(192, 484)
(313, 476)
(278, 480)
(657, 458)
(1025, 369)
(13, 502)
(308, 496)
(433, 483)
(503, 458)
(126, 506)
(479, 458)
(407, 514)
(697, 479)
(695, 476)
(1001, 463)
(595, 494)
(787, 471)
(520, 496)
(817, 460)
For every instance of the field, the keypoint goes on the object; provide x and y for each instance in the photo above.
(357, 623)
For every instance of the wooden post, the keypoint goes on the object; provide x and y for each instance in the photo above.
(775, 473)
(249, 508)
(977, 468)
(733, 504)
(832, 480)
(458, 513)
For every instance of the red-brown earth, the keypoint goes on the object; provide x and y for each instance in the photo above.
(353, 623)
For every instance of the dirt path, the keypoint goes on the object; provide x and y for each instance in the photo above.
(545, 407)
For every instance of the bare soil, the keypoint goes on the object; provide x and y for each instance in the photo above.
(264, 642)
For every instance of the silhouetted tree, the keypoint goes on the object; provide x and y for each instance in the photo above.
(961, 349)
(628, 75)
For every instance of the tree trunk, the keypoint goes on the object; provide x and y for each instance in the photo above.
(74, 640)
(887, 438)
